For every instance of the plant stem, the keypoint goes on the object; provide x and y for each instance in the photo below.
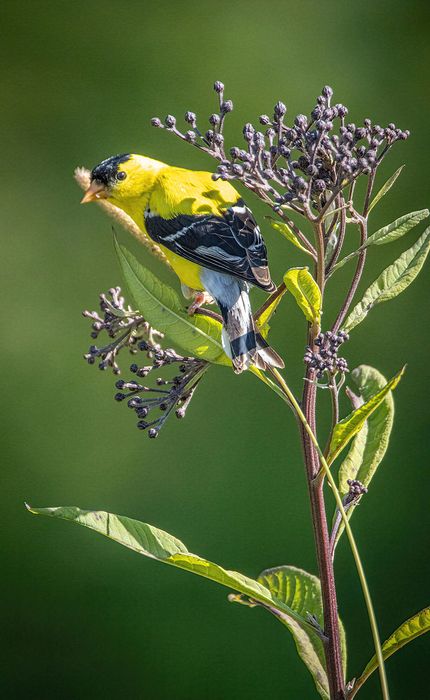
(331, 264)
(335, 671)
(277, 293)
(320, 264)
(307, 428)
(362, 222)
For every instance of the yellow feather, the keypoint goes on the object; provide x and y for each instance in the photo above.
(188, 272)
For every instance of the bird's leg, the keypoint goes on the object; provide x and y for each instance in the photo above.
(200, 298)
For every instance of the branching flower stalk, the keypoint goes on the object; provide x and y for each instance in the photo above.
(127, 329)
(309, 168)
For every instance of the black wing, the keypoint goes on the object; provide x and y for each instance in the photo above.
(231, 243)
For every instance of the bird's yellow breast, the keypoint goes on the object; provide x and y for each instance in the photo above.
(188, 272)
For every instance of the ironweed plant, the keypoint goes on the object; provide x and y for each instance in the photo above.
(306, 171)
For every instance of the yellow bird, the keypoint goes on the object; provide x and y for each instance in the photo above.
(208, 234)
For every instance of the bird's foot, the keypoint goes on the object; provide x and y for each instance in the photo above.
(200, 298)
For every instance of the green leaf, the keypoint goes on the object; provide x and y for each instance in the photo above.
(288, 233)
(370, 444)
(301, 592)
(375, 434)
(345, 430)
(392, 281)
(156, 544)
(385, 188)
(397, 228)
(306, 292)
(161, 306)
(387, 234)
(417, 625)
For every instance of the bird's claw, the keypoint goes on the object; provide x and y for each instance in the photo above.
(200, 298)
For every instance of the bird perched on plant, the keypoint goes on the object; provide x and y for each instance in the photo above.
(207, 233)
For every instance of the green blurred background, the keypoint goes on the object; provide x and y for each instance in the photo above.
(83, 617)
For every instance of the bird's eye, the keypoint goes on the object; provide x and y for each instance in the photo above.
(121, 175)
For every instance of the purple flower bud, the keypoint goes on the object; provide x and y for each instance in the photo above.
(170, 121)
(214, 119)
(155, 121)
(299, 183)
(360, 133)
(327, 91)
(190, 118)
(301, 121)
(264, 119)
(312, 170)
(218, 86)
(280, 109)
(319, 185)
(259, 139)
(227, 106)
(248, 131)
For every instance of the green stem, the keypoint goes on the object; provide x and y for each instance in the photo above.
(366, 593)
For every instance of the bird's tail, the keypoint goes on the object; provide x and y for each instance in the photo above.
(241, 342)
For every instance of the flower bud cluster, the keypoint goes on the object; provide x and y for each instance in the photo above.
(356, 491)
(123, 325)
(210, 140)
(144, 400)
(325, 358)
(128, 329)
(302, 164)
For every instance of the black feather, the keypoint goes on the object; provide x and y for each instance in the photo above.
(231, 243)
(106, 171)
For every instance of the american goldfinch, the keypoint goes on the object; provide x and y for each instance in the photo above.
(208, 234)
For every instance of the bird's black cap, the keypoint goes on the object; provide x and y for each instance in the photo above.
(106, 171)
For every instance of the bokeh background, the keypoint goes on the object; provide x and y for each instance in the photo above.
(83, 617)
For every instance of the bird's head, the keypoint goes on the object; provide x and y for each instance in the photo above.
(121, 179)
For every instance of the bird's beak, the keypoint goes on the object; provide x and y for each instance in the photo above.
(97, 190)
